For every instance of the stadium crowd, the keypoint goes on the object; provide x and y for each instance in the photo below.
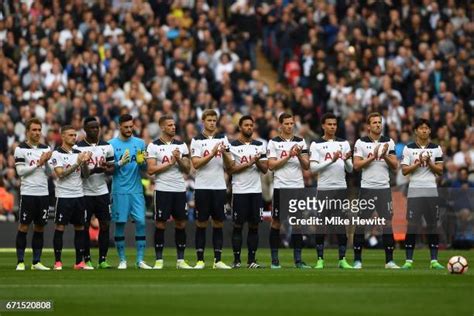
(64, 60)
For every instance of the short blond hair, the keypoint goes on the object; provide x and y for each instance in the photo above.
(208, 112)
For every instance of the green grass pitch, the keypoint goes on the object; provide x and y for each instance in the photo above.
(371, 291)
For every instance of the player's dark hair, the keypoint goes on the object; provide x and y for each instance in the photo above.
(66, 128)
(208, 112)
(244, 118)
(373, 114)
(90, 119)
(164, 118)
(421, 121)
(125, 118)
(32, 121)
(328, 116)
(283, 117)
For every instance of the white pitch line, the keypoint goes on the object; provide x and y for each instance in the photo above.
(108, 285)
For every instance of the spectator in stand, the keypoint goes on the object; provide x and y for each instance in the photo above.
(6, 204)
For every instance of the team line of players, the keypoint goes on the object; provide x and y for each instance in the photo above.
(80, 171)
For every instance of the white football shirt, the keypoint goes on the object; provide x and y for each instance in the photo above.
(70, 186)
(36, 183)
(290, 176)
(247, 181)
(171, 180)
(376, 175)
(96, 183)
(422, 180)
(210, 176)
(333, 177)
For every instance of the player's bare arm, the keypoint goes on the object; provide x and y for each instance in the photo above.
(390, 160)
(361, 163)
(108, 167)
(62, 173)
(408, 169)
(226, 156)
(85, 171)
(199, 162)
(436, 168)
(235, 168)
(275, 164)
(183, 162)
(154, 168)
(103, 167)
(261, 165)
(302, 157)
(316, 166)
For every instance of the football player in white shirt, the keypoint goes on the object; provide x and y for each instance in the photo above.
(374, 155)
(96, 192)
(423, 162)
(249, 162)
(69, 166)
(31, 159)
(209, 157)
(330, 158)
(168, 160)
(287, 158)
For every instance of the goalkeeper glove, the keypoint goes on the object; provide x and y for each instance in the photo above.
(125, 158)
(140, 157)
